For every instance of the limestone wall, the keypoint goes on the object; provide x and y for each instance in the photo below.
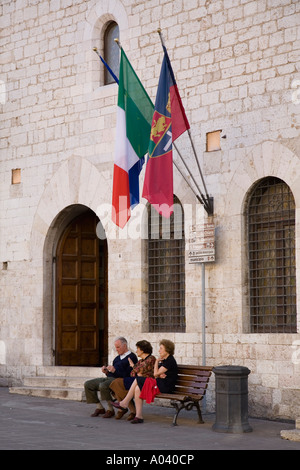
(237, 69)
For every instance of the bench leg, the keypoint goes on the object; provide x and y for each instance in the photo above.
(199, 412)
(178, 409)
(187, 406)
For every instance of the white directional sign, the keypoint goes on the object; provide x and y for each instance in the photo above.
(202, 243)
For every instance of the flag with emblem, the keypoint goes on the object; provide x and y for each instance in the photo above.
(168, 123)
(134, 117)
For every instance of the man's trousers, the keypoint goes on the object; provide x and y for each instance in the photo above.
(93, 386)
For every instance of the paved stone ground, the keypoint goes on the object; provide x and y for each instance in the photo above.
(31, 423)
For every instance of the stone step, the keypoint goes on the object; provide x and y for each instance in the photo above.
(61, 382)
(55, 382)
(66, 371)
(60, 393)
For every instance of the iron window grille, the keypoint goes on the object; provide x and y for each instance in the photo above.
(166, 271)
(272, 269)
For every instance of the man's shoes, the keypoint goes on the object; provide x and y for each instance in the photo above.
(98, 412)
(131, 417)
(120, 414)
(109, 414)
(137, 420)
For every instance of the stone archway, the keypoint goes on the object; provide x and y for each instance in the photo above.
(260, 161)
(255, 163)
(75, 187)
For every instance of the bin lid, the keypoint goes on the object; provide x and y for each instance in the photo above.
(231, 370)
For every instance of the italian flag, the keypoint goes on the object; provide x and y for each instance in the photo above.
(134, 117)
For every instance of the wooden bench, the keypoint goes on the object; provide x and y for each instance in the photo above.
(190, 389)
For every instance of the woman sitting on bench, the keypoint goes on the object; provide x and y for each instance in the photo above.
(165, 373)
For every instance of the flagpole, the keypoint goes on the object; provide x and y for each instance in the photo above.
(118, 43)
(181, 158)
(188, 183)
(161, 37)
(209, 202)
(202, 198)
(185, 179)
(106, 65)
(206, 201)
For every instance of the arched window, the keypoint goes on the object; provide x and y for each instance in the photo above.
(271, 250)
(111, 52)
(166, 270)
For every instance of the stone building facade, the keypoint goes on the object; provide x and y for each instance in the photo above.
(237, 68)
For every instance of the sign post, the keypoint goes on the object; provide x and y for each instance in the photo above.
(203, 316)
(202, 250)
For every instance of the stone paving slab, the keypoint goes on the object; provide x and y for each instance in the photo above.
(36, 423)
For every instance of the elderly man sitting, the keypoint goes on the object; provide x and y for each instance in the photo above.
(119, 368)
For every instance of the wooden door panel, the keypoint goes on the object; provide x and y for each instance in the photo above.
(88, 270)
(88, 247)
(69, 316)
(69, 340)
(88, 294)
(69, 293)
(70, 269)
(88, 317)
(88, 340)
(78, 302)
(71, 246)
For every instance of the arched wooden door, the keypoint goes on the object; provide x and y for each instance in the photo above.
(81, 295)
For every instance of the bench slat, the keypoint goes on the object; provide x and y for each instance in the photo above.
(171, 396)
(197, 368)
(183, 379)
(195, 372)
(189, 390)
(193, 378)
(191, 383)
(179, 397)
(185, 388)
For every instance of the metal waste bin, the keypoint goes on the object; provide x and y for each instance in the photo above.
(231, 399)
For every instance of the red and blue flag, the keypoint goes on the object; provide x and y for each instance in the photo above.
(168, 123)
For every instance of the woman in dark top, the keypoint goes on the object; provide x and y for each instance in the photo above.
(165, 373)
(166, 382)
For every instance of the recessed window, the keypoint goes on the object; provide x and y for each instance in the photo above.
(111, 52)
(213, 141)
(16, 176)
(166, 270)
(272, 258)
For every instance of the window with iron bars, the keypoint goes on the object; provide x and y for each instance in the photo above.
(166, 271)
(272, 267)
